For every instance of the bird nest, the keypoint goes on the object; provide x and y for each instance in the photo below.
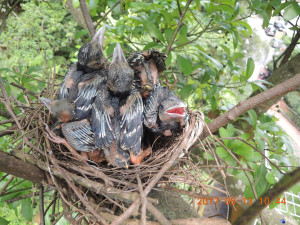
(99, 186)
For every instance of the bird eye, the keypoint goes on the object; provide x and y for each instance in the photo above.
(98, 54)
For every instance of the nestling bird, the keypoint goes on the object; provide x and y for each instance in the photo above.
(117, 114)
(164, 112)
(78, 137)
(90, 58)
(147, 65)
(62, 109)
(78, 134)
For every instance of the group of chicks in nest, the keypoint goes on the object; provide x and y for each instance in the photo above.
(109, 112)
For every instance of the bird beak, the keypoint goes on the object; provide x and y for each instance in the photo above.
(177, 111)
(118, 55)
(99, 36)
(47, 102)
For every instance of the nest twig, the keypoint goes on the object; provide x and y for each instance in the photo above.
(97, 188)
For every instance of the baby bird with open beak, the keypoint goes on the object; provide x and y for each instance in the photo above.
(117, 114)
(164, 112)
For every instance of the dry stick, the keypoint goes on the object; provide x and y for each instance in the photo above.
(87, 17)
(105, 15)
(144, 201)
(42, 214)
(252, 146)
(82, 199)
(6, 185)
(60, 215)
(18, 198)
(242, 107)
(2, 178)
(156, 178)
(50, 204)
(24, 89)
(96, 187)
(287, 181)
(180, 24)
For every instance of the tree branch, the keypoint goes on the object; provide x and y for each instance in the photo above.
(87, 17)
(180, 24)
(19, 168)
(285, 183)
(242, 107)
(105, 15)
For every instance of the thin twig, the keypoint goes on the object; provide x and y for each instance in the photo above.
(256, 149)
(6, 185)
(180, 24)
(42, 214)
(144, 201)
(105, 15)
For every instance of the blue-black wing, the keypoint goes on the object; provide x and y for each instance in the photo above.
(86, 97)
(100, 120)
(69, 87)
(79, 135)
(132, 123)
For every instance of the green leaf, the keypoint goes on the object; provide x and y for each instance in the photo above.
(230, 129)
(253, 117)
(223, 133)
(291, 12)
(3, 221)
(222, 152)
(236, 11)
(207, 156)
(250, 67)
(271, 178)
(185, 65)
(219, 65)
(26, 209)
(169, 59)
(168, 34)
(153, 30)
(81, 33)
(75, 3)
(246, 25)
(183, 34)
(235, 37)
(150, 45)
(213, 103)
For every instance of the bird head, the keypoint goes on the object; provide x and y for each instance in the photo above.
(120, 75)
(62, 109)
(90, 55)
(171, 110)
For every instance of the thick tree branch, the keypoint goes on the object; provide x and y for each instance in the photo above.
(87, 17)
(285, 183)
(242, 107)
(19, 168)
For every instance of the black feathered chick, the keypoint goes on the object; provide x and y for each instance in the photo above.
(147, 66)
(90, 58)
(117, 113)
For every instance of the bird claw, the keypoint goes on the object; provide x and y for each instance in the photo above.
(53, 137)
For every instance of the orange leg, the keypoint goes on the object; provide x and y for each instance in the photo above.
(137, 159)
